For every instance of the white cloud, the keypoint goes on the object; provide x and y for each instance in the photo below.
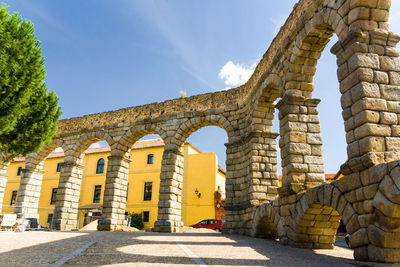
(235, 74)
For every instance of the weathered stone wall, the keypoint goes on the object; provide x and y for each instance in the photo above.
(366, 198)
(194, 103)
(251, 166)
(368, 203)
(67, 198)
(300, 144)
(115, 193)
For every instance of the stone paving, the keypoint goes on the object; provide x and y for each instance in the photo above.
(159, 249)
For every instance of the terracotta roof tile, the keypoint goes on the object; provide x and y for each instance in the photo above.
(18, 159)
(148, 143)
(327, 176)
(330, 175)
(138, 145)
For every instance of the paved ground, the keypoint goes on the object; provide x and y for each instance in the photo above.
(156, 249)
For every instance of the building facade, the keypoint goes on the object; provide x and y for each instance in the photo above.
(202, 178)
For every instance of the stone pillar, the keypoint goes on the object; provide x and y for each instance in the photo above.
(368, 72)
(114, 201)
(67, 198)
(170, 195)
(251, 179)
(27, 203)
(263, 175)
(232, 174)
(300, 143)
(369, 76)
(3, 182)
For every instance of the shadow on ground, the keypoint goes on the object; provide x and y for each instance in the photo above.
(137, 248)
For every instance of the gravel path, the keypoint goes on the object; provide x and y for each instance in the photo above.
(157, 249)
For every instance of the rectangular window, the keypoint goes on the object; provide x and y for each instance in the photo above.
(19, 171)
(150, 158)
(58, 167)
(49, 218)
(97, 194)
(148, 187)
(53, 196)
(13, 197)
(146, 216)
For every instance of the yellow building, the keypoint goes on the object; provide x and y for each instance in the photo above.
(202, 177)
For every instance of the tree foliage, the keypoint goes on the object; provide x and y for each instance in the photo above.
(28, 112)
(136, 221)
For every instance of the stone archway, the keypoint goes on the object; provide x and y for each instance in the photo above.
(65, 216)
(265, 221)
(171, 185)
(115, 193)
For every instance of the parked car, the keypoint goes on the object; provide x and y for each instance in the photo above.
(213, 224)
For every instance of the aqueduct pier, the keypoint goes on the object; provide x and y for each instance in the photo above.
(305, 211)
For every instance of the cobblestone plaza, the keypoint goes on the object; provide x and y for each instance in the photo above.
(305, 211)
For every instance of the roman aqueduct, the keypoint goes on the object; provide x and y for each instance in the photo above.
(305, 211)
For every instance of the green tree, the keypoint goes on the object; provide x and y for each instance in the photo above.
(137, 221)
(28, 112)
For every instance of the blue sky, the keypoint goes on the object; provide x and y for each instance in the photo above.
(103, 55)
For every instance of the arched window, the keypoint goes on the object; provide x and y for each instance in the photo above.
(100, 166)
(150, 158)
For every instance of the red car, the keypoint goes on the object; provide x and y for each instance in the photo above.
(213, 224)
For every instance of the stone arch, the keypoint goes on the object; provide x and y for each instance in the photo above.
(263, 108)
(269, 89)
(130, 137)
(69, 185)
(316, 218)
(264, 224)
(171, 185)
(34, 159)
(116, 186)
(300, 135)
(359, 30)
(322, 21)
(194, 124)
(75, 151)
